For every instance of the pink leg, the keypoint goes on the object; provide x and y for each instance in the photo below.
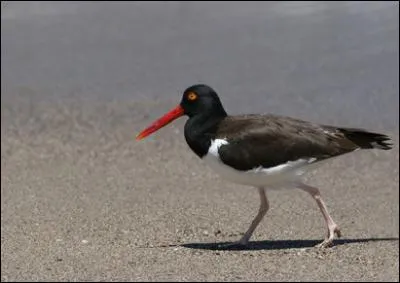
(331, 225)
(264, 206)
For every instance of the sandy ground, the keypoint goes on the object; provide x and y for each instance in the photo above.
(82, 200)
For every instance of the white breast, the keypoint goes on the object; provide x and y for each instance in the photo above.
(257, 177)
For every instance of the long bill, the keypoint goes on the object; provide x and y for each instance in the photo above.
(163, 121)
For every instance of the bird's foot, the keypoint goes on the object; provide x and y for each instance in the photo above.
(332, 230)
(325, 244)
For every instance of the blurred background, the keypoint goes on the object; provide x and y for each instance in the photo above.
(326, 61)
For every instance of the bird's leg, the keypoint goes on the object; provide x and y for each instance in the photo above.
(331, 225)
(264, 206)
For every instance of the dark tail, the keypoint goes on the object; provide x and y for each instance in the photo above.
(365, 139)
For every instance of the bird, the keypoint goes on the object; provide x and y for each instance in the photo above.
(264, 151)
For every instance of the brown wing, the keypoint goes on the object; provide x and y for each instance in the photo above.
(271, 140)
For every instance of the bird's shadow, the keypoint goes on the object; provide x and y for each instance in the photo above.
(278, 244)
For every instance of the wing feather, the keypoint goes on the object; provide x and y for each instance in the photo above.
(270, 140)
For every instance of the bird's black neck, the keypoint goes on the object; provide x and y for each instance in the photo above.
(201, 129)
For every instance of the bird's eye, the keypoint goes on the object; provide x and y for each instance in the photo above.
(192, 96)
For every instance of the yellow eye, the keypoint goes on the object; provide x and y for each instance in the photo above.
(192, 96)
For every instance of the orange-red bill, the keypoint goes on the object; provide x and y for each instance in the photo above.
(163, 121)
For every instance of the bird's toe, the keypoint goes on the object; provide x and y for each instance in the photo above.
(324, 244)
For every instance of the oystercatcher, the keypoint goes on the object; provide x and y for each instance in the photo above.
(263, 151)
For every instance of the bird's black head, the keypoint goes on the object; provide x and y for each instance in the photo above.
(201, 99)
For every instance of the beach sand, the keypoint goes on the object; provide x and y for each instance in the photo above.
(82, 200)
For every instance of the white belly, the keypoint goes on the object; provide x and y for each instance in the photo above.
(277, 176)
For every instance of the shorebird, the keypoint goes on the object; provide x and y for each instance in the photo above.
(263, 151)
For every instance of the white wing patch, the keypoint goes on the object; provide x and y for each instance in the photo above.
(215, 145)
(260, 176)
